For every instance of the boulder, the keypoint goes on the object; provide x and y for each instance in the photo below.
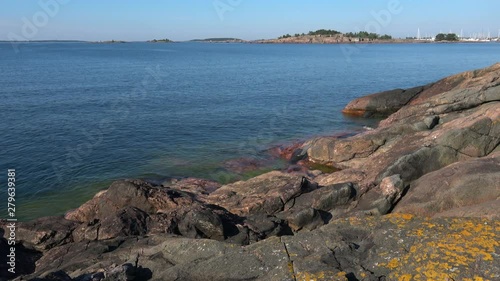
(332, 150)
(202, 223)
(266, 194)
(135, 208)
(121, 194)
(129, 221)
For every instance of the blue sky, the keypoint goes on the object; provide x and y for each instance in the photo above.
(247, 19)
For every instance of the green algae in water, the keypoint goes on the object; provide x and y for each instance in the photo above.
(58, 202)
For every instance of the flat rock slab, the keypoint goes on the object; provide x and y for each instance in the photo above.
(456, 189)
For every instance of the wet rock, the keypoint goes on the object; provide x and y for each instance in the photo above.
(288, 151)
(193, 185)
(244, 165)
(121, 194)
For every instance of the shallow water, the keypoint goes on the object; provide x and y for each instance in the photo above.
(76, 116)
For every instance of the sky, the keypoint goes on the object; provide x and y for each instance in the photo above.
(246, 19)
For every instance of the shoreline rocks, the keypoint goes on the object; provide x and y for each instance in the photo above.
(415, 199)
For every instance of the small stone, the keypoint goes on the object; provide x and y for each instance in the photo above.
(431, 121)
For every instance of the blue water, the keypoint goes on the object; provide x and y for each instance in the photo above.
(75, 116)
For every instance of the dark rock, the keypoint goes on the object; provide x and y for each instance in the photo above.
(262, 227)
(169, 210)
(129, 221)
(333, 196)
(25, 259)
(45, 233)
(298, 219)
(55, 276)
(121, 194)
(298, 155)
(202, 223)
(431, 122)
(125, 272)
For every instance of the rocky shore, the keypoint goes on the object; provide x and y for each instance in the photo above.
(417, 198)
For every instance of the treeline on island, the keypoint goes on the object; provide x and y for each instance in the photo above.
(331, 32)
(446, 37)
(160, 41)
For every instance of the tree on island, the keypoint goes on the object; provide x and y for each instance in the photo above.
(161, 40)
(362, 35)
(285, 36)
(331, 32)
(324, 32)
(446, 37)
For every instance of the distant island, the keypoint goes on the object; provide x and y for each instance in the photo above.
(330, 36)
(109, 42)
(160, 41)
(220, 40)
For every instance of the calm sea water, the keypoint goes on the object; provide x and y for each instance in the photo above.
(76, 116)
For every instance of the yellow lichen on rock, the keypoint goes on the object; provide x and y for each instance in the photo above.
(439, 249)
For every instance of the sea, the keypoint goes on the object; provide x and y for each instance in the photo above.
(76, 116)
